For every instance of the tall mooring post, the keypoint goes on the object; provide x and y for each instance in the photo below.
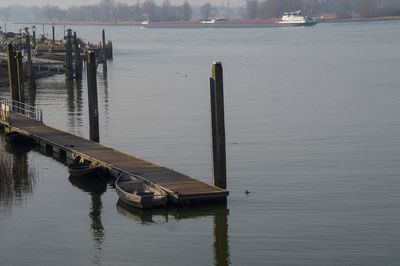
(53, 39)
(12, 73)
(21, 76)
(104, 51)
(218, 126)
(34, 36)
(29, 65)
(69, 69)
(77, 59)
(92, 96)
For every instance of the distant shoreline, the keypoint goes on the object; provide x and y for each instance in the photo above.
(138, 23)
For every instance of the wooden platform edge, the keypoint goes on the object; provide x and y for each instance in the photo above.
(219, 195)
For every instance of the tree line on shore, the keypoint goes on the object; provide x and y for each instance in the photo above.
(113, 11)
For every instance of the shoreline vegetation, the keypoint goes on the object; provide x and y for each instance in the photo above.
(113, 12)
(255, 21)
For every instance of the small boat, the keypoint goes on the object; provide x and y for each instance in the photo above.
(214, 20)
(13, 137)
(137, 193)
(85, 169)
(296, 19)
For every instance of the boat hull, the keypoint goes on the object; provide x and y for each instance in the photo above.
(135, 201)
(137, 194)
(83, 171)
(13, 137)
(297, 24)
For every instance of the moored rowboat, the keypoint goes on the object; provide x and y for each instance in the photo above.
(85, 169)
(138, 194)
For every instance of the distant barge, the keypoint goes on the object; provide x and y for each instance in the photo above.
(289, 19)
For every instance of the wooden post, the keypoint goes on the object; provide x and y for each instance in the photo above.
(92, 96)
(77, 59)
(110, 50)
(12, 73)
(104, 51)
(21, 77)
(54, 36)
(29, 66)
(69, 70)
(34, 37)
(218, 126)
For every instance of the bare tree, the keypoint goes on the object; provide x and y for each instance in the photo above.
(252, 8)
(186, 11)
(205, 11)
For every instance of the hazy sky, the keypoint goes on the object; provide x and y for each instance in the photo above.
(67, 3)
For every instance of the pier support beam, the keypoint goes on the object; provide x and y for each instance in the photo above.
(34, 37)
(12, 73)
(218, 125)
(77, 59)
(92, 96)
(104, 51)
(53, 40)
(69, 70)
(29, 66)
(21, 76)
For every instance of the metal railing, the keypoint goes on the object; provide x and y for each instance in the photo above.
(8, 105)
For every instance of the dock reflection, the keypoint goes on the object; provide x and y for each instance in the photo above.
(17, 177)
(163, 215)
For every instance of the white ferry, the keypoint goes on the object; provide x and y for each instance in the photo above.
(296, 19)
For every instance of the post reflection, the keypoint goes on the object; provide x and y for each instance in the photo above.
(74, 104)
(79, 104)
(17, 178)
(106, 98)
(95, 188)
(69, 85)
(218, 212)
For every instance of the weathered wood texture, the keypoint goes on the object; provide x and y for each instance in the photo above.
(181, 188)
(218, 125)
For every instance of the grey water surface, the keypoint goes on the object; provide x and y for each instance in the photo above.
(313, 132)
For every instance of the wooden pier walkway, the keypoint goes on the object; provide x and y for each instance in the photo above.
(40, 64)
(181, 188)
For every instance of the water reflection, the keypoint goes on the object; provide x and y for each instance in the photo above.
(69, 85)
(74, 106)
(79, 104)
(95, 187)
(17, 178)
(162, 215)
(106, 96)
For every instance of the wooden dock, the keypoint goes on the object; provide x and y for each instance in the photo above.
(181, 189)
(40, 64)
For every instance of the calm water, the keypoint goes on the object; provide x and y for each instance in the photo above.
(313, 126)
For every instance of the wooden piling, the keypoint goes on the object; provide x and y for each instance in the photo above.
(53, 36)
(92, 96)
(69, 70)
(21, 77)
(29, 65)
(77, 59)
(12, 73)
(110, 54)
(218, 126)
(34, 38)
(104, 51)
